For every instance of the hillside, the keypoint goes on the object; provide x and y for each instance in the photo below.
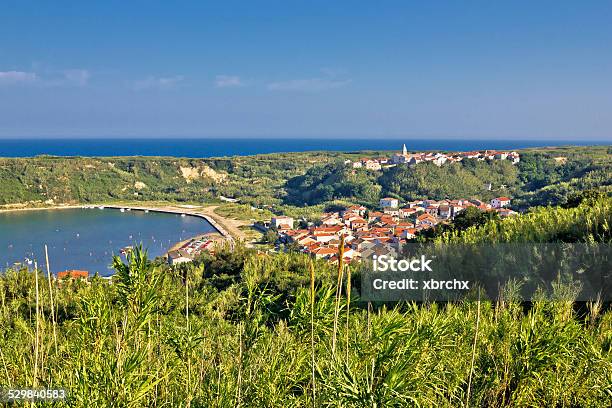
(543, 177)
(254, 179)
(245, 329)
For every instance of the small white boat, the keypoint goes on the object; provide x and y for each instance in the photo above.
(126, 250)
(101, 207)
(183, 215)
(122, 210)
(146, 211)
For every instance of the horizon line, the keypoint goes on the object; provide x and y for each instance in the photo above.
(317, 137)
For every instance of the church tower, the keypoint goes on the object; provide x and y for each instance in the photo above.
(404, 150)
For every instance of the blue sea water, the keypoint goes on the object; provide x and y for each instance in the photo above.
(215, 147)
(87, 239)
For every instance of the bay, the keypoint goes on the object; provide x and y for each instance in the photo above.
(86, 239)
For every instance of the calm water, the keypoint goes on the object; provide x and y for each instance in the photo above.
(248, 146)
(87, 238)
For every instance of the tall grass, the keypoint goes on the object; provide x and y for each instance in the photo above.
(154, 339)
(246, 330)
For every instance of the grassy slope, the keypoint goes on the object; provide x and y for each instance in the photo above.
(83, 180)
(242, 337)
(545, 176)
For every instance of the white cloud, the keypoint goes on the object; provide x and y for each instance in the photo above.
(16, 77)
(152, 82)
(227, 81)
(78, 77)
(308, 85)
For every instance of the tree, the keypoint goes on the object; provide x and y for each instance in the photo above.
(588, 196)
(270, 237)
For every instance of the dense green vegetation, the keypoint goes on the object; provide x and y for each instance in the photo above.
(253, 179)
(335, 181)
(591, 221)
(551, 177)
(465, 179)
(543, 177)
(591, 203)
(244, 329)
(289, 183)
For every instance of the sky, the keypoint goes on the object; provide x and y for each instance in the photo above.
(443, 69)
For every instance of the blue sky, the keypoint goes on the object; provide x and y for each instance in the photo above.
(473, 69)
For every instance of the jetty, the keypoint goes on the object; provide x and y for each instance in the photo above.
(192, 212)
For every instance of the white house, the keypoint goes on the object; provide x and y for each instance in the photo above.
(372, 165)
(500, 202)
(406, 212)
(445, 211)
(178, 257)
(389, 202)
(514, 157)
(282, 220)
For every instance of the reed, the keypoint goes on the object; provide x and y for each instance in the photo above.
(187, 385)
(53, 322)
(37, 335)
(340, 277)
(348, 307)
(312, 339)
(469, 387)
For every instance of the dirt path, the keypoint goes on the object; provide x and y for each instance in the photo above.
(229, 224)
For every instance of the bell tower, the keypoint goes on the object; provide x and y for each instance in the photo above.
(404, 150)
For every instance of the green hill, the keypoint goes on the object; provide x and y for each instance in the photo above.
(542, 177)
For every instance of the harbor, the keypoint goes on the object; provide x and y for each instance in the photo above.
(87, 237)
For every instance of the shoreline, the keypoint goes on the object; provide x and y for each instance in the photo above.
(170, 209)
(219, 229)
(52, 207)
(220, 223)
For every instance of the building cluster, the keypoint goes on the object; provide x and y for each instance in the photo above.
(189, 251)
(384, 232)
(437, 158)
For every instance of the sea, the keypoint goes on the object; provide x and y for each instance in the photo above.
(87, 238)
(218, 147)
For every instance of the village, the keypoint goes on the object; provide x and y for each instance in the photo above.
(382, 232)
(429, 157)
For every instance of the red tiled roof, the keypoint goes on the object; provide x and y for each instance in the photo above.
(73, 273)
